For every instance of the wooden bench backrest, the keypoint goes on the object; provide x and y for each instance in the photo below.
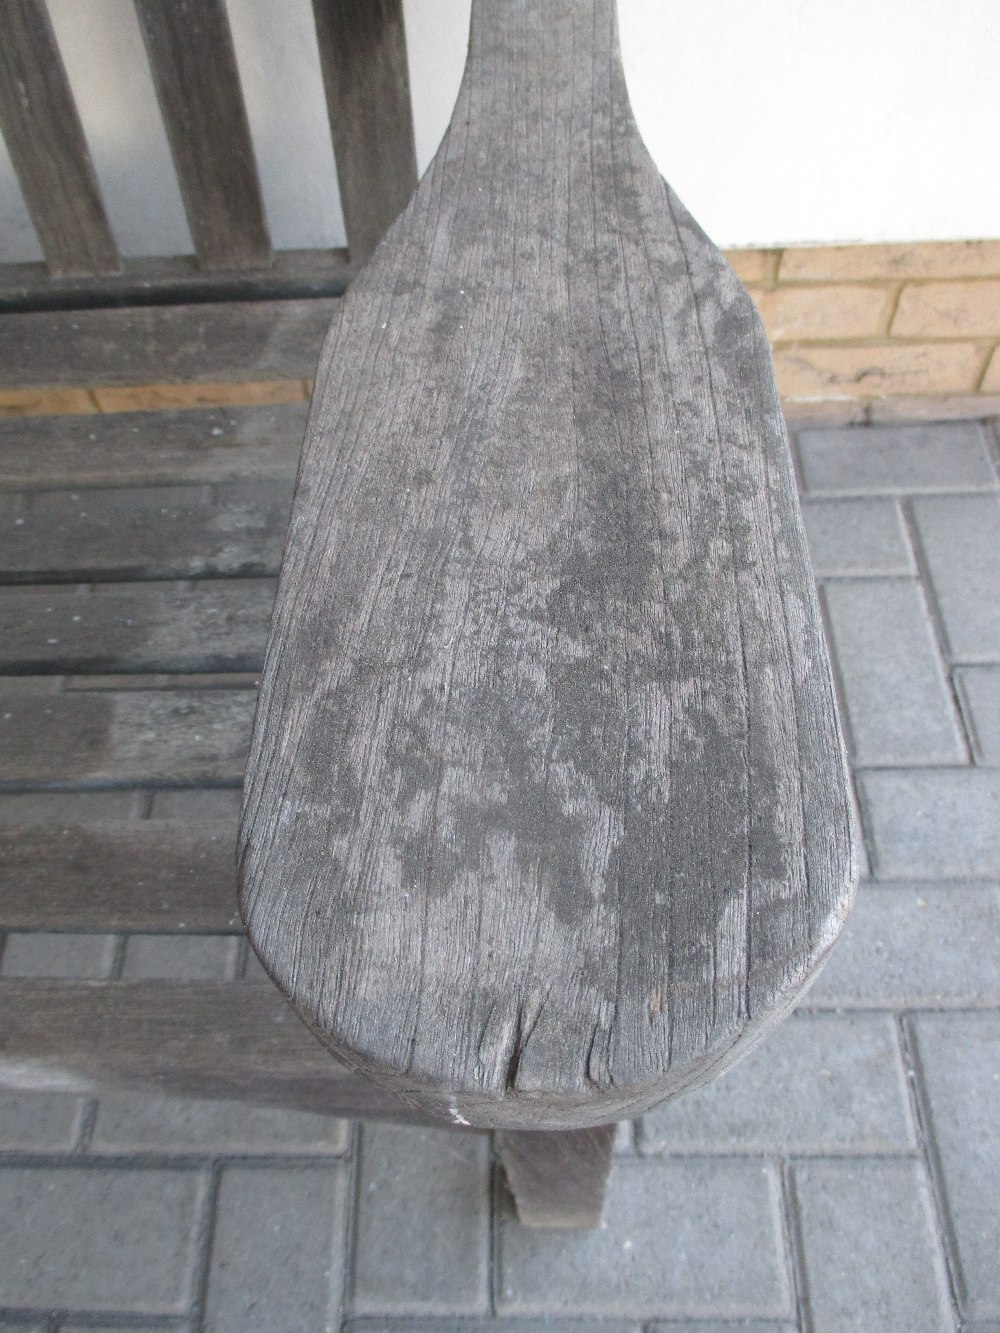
(192, 61)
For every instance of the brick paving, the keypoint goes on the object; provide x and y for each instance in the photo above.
(845, 1176)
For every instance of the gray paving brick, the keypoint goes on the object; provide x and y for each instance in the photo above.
(820, 1083)
(960, 538)
(951, 457)
(39, 1122)
(927, 824)
(181, 957)
(51, 954)
(132, 1123)
(421, 1231)
(959, 1061)
(26, 1328)
(199, 803)
(870, 1255)
(172, 1327)
(277, 1250)
(899, 707)
(722, 1326)
(856, 537)
(686, 1237)
(907, 945)
(548, 1325)
(87, 1239)
(979, 692)
(544, 1325)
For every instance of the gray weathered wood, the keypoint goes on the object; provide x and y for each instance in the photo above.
(91, 738)
(196, 344)
(557, 1179)
(197, 83)
(362, 48)
(293, 274)
(210, 625)
(546, 816)
(187, 1039)
(151, 448)
(155, 532)
(154, 875)
(46, 143)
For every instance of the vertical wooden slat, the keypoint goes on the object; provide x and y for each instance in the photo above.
(362, 49)
(47, 146)
(194, 71)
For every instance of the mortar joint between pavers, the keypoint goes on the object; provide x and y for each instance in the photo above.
(930, 1159)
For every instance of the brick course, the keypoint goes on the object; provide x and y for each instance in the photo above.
(819, 370)
(948, 310)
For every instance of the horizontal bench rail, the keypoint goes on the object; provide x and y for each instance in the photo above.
(260, 340)
(231, 1040)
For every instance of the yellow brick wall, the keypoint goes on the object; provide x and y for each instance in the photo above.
(859, 332)
(863, 332)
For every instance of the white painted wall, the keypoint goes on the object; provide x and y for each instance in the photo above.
(779, 122)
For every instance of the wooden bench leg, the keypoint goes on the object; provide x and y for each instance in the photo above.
(557, 1178)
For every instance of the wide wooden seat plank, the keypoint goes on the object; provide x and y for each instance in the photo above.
(144, 532)
(546, 816)
(164, 875)
(149, 448)
(170, 737)
(207, 625)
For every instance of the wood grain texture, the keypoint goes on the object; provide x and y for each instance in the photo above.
(149, 449)
(557, 1179)
(198, 344)
(122, 737)
(546, 815)
(186, 1039)
(197, 83)
(293, 274)
(234, 528)
(362, 50)
(157, 875)
(210, 625)
(46, 144)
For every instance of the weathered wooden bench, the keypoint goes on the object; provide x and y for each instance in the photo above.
(546, 817)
